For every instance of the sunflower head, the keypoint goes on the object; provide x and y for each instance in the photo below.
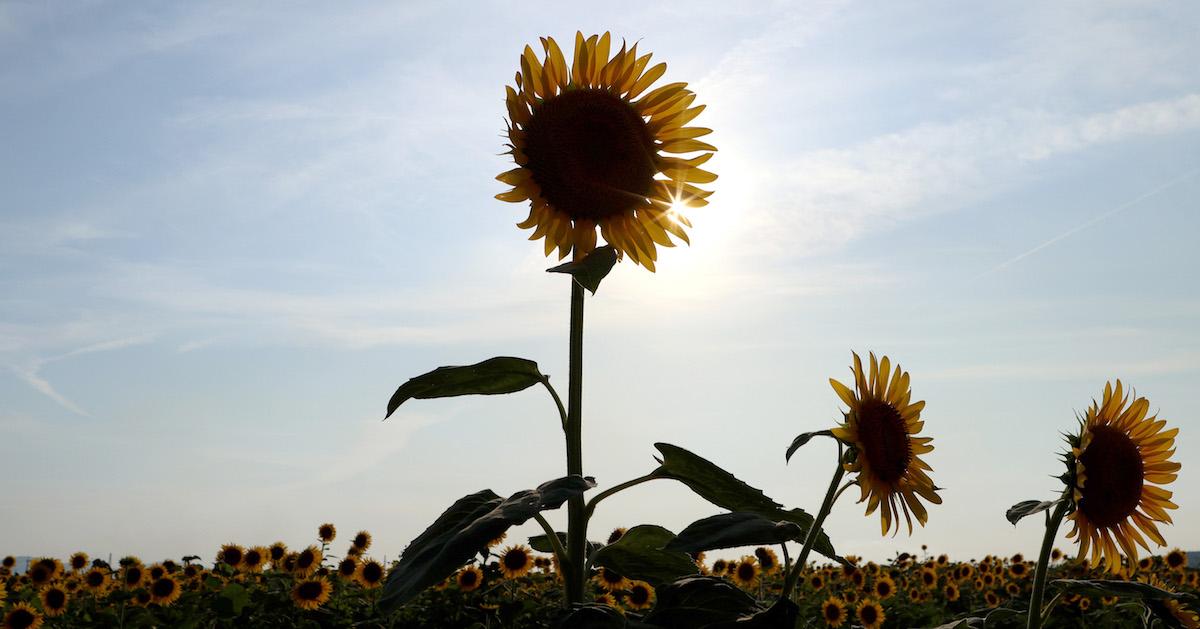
(745, 572)
(361, 541)
(881, 428)
(165, 590)
(54, 600)
(767, 559)
(326, 532)
(231, 555)
(22, 616)
(639, 595)
(1116, 462)
(1176, 560)
(308, 561)
(515, 561)
(833, 611)
(870, 614)
(596, 148)
(371, 574)
(79, 561)
(469, 578)
(311, 593)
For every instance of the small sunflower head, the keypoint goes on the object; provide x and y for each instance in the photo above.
(326, 532)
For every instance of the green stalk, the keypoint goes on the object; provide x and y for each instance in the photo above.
(576, 509)
(1043, 565)
(826, 506)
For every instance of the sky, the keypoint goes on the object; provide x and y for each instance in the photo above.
(228, 232)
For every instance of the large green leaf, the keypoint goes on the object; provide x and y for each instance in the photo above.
(696, 601)
(596, 616)
(464, 530)
(724, 490)
(639, 554)
(591, 269)
(733, 530)
(494, 376)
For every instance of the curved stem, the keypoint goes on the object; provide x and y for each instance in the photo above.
(591, 505)
(826, 506)
(559, 552)
(576, 510)
(562, 411)
(1043, 565)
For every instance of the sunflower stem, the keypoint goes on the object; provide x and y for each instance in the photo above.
(810, 540)
(576, 509)
(591, 504)
(1043, 565)
(562, 411)
(555, 543)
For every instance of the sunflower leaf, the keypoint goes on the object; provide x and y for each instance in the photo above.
(494, 376)
(724, 490)
(593, 268)
(597, 616)
(465, 528)
(733, 530)
(802, 439)
(541, 543)
(782, 614)
(639, 554)
(1029, 507)
(1124, 589)
(698, 601)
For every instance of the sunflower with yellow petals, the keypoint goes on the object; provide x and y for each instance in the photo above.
(596, 148)
(1116, 463)
(22, 616)
(881, 427)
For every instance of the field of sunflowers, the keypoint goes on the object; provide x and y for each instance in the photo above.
(511, 585)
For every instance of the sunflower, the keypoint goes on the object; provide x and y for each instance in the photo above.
(348, 568)
(591, 154)
(615, 535)
(469, 578)
(22, 616)
(745, 572)
(311, 593)
(132, 576)
(96, 580)
(767, 559)
(142, 598)
(165, 590)
(231, 555)
(156, 571)
(833, 610)
(8, 562)
(370, 574)
(54, 600)
(1084, 604)
(1176, 560)
(79, 561)
(361, 541)
(278, 550)
(1018, 570)
(951, 592)
(870, 614)
(885, 587)
(639, 595)
(307, 561)
(880, 427)
(1013, 589)
(609, 580)
(607, 599)
(1115, 463)
(719, 567)
(929, 577)
(255, 558)
(326, 532)
(515, 561)
(816, 582)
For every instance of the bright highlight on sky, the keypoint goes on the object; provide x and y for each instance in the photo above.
(228, 231)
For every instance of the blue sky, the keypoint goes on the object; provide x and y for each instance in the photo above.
(229, 231)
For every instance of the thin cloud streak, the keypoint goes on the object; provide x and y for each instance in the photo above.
(1093, 221)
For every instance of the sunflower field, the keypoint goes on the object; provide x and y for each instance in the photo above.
(514, 586)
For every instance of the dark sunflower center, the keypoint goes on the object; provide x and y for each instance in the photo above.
(233, 556)
(884, 440)
(162, 588)
(309, 590)
(360, 541)
(745, 571)
(1113, 486)
(277, 553)
(95, 579)
(347, 567)
(639, 595)
(515, 560)
(468, 578)
(372, 572)
(832, 612)
(20, 619)
(590, 153)
(133, 576)
(868, 614)
(305, 559)
(56, 599)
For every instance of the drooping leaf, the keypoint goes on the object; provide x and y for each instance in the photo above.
(589, 271)
(494, 376)
(1123, 589)
(541, 543)
(639, 554)
(723, 489)
(1029, 507)
(732, 530)
(231, 601)
(781, 615)
(696, 601)
(465, 529)
(802, 439)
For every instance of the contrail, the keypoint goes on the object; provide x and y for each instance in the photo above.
(1078, 228)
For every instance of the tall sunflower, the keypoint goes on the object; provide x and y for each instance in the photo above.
(1116, 462)
(591, 143)
(881, 427)
(22, 616)
(312, 593)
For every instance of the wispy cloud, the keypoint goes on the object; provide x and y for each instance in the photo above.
(30, 372)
